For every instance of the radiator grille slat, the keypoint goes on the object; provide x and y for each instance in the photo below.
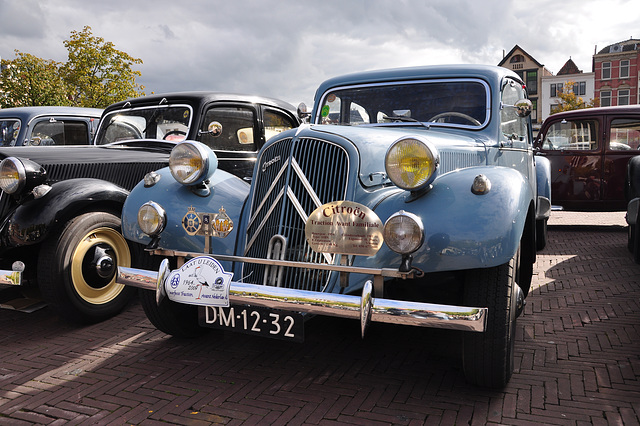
(307, 172)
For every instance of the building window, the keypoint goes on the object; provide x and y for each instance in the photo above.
(532, 82)
(624, 68)
(580, 88)
(605, 98)
(623, 97)
(553, 90)
(606, 70)
(534, 110)
(516, 58)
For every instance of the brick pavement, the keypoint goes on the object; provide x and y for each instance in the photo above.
(577, 360)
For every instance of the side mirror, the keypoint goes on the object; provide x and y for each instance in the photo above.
(303, 112)
(523, 107)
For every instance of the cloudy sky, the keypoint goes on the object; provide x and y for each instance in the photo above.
(285, 48)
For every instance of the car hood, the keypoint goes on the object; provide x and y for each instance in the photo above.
(457, 149)
(86, 154)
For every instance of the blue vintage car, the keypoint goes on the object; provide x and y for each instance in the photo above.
(411, 197)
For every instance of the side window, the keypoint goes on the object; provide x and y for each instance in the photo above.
(624, 134)
(53, 132)
(513, 126)
(330, 112)
(275, 122)
(9, 130)
(229, 128)
(572, 135)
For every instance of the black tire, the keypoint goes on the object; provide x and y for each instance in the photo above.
(488, 357)
(635, 243)
(68, 277)
(172, 318)
(541, 234)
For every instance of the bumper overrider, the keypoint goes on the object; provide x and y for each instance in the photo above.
(365, 307)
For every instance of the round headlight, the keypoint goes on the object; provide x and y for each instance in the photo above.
(151, 218)
(403, 232)
(192, 163)
(411, 163)
(12, 175)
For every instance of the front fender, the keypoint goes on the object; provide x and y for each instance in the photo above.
(543, 184)
(463, 230)
(228, 192)
(31, 222)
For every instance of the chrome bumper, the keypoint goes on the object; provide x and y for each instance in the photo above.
(366, 308)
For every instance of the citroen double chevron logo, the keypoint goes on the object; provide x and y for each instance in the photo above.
(285, 190)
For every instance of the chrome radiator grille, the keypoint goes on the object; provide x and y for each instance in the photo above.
(296, 177)
(125, 175)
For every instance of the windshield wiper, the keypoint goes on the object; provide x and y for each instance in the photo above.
(404, 119)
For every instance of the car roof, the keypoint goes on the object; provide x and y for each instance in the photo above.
(624, 109)
(27, 113)
(488, 72)
(200, 97)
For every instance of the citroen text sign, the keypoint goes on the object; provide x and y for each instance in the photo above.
(344, 227)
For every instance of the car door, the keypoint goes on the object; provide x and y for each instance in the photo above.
(237, 131)
(574, 148)
(622, 135)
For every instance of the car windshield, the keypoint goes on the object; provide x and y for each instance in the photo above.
(167, 122)
(455, 102)
(9, 130)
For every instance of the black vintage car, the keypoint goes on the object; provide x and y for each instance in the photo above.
(60, 206)
(48, 125)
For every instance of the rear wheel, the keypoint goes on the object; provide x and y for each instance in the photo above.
(488, 357)
(77, 266)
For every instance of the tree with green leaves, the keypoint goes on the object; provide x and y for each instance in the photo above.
(97, 73)
(569, 101)
(30, 81)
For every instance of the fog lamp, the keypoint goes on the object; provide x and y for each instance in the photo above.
(152, 218)
(403, 232)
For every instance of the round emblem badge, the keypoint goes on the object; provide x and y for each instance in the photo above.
(191, 221)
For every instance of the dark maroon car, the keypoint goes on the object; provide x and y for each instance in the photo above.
(589, 150)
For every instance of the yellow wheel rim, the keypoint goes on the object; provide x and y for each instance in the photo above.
(93, 265)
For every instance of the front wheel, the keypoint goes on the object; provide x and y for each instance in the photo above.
(176, 319)
(488, 357)
(77, 266)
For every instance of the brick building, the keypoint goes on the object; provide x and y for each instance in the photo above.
(617, 74)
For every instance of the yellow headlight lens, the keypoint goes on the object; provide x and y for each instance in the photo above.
(411, 163)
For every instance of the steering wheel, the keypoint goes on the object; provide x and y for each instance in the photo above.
(455, 114)
(174, 132)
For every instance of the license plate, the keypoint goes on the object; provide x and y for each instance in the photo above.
(254, 320)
